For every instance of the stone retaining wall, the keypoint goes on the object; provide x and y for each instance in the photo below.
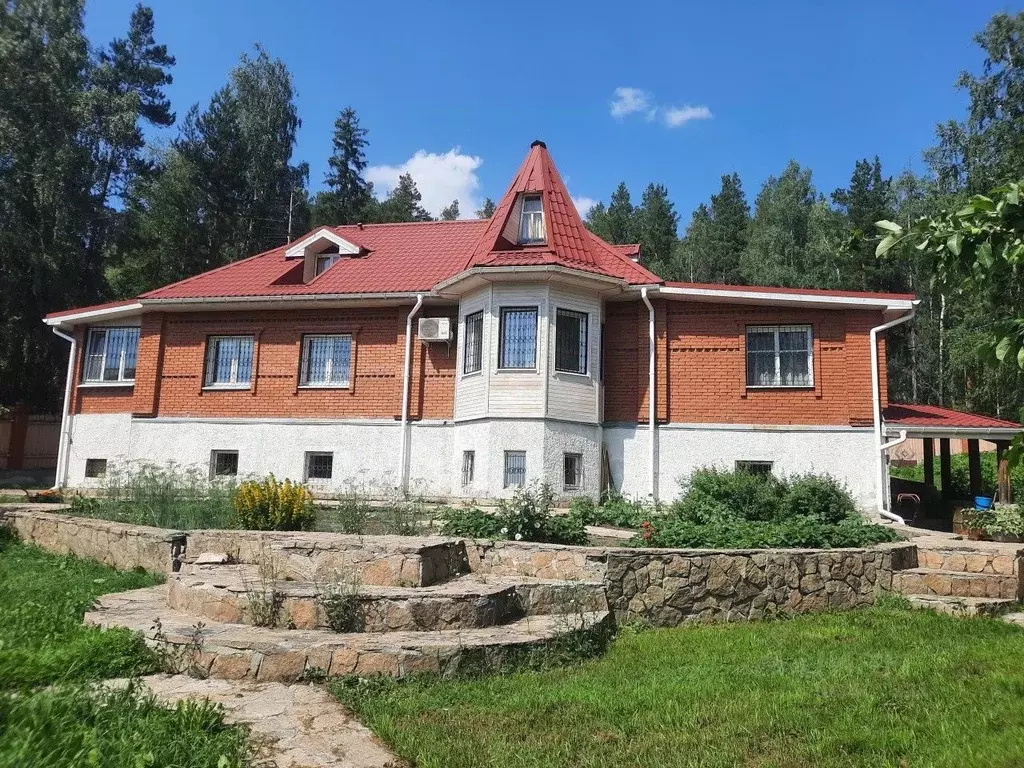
(671, 587)
(119, 545)
(664, 587)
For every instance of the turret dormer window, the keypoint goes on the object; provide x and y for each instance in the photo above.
(531, 226)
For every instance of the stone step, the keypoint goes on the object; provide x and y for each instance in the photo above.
(237, 595)
(964, 606)
(970, 559)
(236, 651)
(932, 581)
(1014, 618)
(543, 596)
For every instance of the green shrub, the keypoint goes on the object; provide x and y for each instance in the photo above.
(797, 532)
(527, 516)
(1003, 520)
(615, 510)
(712, 493)
(268, 505)
(820, 497)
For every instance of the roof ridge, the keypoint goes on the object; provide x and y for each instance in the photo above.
(406, 223)
(214, 270)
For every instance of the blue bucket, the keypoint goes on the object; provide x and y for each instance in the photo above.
(982, 502)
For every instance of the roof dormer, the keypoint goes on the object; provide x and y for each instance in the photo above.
(320, 250)
(531, 221)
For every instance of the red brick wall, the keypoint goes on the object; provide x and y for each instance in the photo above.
(704, 380)
(169, 376)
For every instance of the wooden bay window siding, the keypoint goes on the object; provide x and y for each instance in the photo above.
(172, 349)
(704, 380)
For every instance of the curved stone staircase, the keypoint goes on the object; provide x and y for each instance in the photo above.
(415, 607)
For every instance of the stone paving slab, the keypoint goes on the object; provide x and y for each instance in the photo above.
(237, 651)
(963, 606)
(295, 726)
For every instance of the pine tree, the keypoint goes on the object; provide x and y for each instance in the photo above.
(487, 209)
(868, 199)
(657, 225)
(693, 253)
(403, 203)
(450, 213)
(347, 192)
(717, 236)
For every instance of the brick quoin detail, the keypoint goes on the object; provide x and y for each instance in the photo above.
(169, 375)
(704, 380)
(701, 366)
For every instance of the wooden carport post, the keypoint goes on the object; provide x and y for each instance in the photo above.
(945, 472)
(1004, 488)
(974, 463)
(929, 461)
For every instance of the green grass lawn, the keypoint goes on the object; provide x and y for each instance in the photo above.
(882, 687)
(51, 713)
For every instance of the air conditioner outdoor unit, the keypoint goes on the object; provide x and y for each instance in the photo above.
(435, 329)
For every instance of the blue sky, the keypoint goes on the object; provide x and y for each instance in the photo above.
(456, 91)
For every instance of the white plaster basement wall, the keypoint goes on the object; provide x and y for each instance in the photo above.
(846, 453)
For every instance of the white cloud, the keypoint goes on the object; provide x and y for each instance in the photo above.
(630, 101)
(584, 204)
(676, 116)
(440, 178)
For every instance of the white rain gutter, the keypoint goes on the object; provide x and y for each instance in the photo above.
(403, 469)
(61, 477)
(876, 406)
(652, 392)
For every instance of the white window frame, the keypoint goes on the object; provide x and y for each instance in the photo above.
(121, 380)
(212, 348)
(214, 454)
(502, 326)
(578, 458)
(584, 319)
(328, 259)
(310, 455)
(525, 216)
(776, 330)
(468, 467)
(305, 383)
(479, 340)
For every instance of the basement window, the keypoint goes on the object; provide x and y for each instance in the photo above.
(110, 355)
(754, 467)
(531, 225)
(468, 466)
(223, 464)
(95, 467)
(228, 362)
(572, 475)
(319, 466)
(515, 469)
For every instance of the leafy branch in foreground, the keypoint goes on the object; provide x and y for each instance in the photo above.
(976, 250)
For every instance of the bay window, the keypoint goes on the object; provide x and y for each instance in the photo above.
(570, 341)
(518, 338)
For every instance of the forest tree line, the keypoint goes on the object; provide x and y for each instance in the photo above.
(91, 211)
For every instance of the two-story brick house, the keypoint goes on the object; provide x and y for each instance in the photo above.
(462, 359)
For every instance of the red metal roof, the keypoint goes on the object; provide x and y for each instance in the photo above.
(93, 308)
(898, 414)
(402, 258)
(797, 291)
(569, 243)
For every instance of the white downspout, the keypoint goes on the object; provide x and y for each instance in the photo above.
(881, 486)
(61, 477)
(652, 392)
(403, 468)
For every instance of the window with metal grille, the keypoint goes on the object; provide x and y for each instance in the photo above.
(473, 356)
(572, 474)
(110, 354)
(515, 469)
(326, 360)
(229, 362)
(754, 467)
(95, 467)
(531, 225)
(518, 338)
(468, 465)
(319, 466)
(780, 356)
(223, 463)
(571, 341)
